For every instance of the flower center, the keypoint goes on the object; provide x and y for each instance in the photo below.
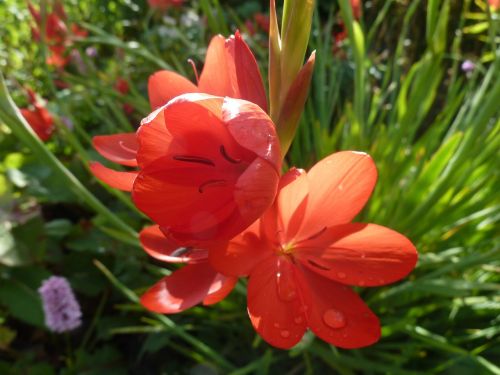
(286, 249)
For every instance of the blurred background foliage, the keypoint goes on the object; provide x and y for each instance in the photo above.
(396, 90)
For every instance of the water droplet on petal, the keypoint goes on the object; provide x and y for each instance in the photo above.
(285, 334)
(298, 320)
(361, 283)
(334, 319)
(276, 325)
(341, 275)
(285, 281)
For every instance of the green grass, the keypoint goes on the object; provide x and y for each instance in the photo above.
(394, 90)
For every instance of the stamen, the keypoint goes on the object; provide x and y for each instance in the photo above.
(193, 65)
(317, 265)
(180, 251)
(227, 157)
(193, 159)
(211, 183)
(126, 148)
(316, 235)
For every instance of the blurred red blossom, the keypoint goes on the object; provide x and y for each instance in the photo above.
(356, 9)
(260, 20)
(58, 36)
(165, 4)
(303, 255)
(494, 4)
(123, 88)
(340, 32)
(38, 117)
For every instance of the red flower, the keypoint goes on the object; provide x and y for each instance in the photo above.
(356, 9)
(57, 35)
(209, 166)
(305, 252)
(340, 32)
(123, 88)
(217, 171)
(195, 283)
(230, 70)
(164, 4)
(38, 118)
(261, 20)
(494, 4)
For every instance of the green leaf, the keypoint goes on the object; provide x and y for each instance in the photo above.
(22, 302)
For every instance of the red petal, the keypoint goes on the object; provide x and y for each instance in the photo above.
(196, 126)
(153, 138)
(218, 76)
(170, 194)
(34, 13)
(280, 221)
(255, 190)
(220, 288)
(274, 303)
(165, 85)
(337, 315)
(248, 76)
(231, 70)
(359, 254)
(119, 148)
(339, 187)
(241, 254)
(40, 121)
(291, 203)
(253, 129)
(157, 245)
(181, 290)
(118, 180)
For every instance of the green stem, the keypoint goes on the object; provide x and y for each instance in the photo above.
(199, 345)
(10, 115)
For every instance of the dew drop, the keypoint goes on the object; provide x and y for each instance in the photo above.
(285, 282)
(285, 334)
(298, 320)
(276, 325)
(341, 275)
(361, 283)
(334, 319)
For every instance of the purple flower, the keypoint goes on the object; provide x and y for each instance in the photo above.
(67, 121)
(468, 66)
(91, 51)
(62, 311)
